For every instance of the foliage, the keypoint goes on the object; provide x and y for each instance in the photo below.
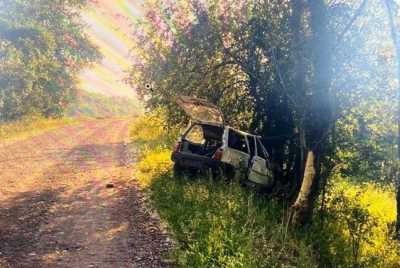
(154, 163)
(223, 224)
(42, 49)
(30, 125)
(153, 129)
(366, 129)
(308, 76)
(151, 133)
(217, 224)
(98, 105)
(358, 228)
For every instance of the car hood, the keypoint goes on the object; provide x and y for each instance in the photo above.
(200, 110)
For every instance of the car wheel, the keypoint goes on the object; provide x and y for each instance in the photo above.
(178, 170)
(229, 172)
(218, 172)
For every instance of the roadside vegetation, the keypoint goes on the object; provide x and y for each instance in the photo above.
(43, 48)
(223, 224)
(319, 82)
(31, 125)
(89, 104)
(315, 79)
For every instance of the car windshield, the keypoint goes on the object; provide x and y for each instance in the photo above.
(195, 135)
(202, 133)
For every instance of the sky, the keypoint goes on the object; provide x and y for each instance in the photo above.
(109, 27)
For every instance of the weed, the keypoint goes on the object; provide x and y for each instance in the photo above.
(31, 125)
(222, 224)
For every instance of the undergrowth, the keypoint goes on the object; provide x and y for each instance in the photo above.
(222, 224)
(30, 125)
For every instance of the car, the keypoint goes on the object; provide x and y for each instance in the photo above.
(209, 144)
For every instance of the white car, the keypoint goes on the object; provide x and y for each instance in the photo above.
(208, 144)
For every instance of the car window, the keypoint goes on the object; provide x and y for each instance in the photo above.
(252, 145)
(260, 150)
(195, 134)
(237, 141)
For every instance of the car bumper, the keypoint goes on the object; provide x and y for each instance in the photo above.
(194, 161)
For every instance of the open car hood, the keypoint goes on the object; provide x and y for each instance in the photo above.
(200, 110)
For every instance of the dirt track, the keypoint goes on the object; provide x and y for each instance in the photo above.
(57, 211)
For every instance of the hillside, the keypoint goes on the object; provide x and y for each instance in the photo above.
(98, 105)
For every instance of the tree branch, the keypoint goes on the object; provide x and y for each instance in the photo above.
(348, 26)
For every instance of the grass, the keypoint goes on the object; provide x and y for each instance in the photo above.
(216, 224)
(222, 224)
(219, 224)
(89, 104)
(30, 126)
(359, 225)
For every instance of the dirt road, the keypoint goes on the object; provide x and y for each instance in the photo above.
(56, 209)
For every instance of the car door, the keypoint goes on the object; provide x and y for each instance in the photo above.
(236, 153)
(259, 171)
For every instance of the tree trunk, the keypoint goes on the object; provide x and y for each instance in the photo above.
(393, 33)
(300, 72)
(318, 114)
(304, 204)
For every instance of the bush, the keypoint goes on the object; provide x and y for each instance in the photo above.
(153, 164)
(152, 130)
(358, 227)
(221, 224)
(216, 224)
(30, 125)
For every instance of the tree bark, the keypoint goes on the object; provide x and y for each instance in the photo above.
(304, 203)
(300, 73)
(318, 113)
(393, 34)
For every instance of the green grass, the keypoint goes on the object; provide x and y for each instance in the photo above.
(89, 104)
(222, 224)
(216, 223)
(30, 126)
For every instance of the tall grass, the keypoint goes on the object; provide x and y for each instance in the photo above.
(222, 224)
(30, 125)
(216, 224)
(359, 225)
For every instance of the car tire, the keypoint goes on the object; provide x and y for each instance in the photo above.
(178, 170)
(181, 171)
(229, 172)
(218, 172)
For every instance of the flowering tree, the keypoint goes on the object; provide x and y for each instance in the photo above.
(299, 73)
(42, 49)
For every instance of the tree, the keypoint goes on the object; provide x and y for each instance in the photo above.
(299, 73)
(42, 48)
(319, 115)
(393, 34)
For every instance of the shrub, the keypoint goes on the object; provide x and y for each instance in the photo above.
(30, 125)
(216, 224)
(152, 130)
(358, 226)
(222, 224)
(153, 164)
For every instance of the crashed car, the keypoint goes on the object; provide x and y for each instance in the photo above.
(208, 144)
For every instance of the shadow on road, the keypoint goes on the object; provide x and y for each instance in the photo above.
(20, 220)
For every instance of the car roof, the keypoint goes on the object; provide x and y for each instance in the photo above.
(243, 132)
